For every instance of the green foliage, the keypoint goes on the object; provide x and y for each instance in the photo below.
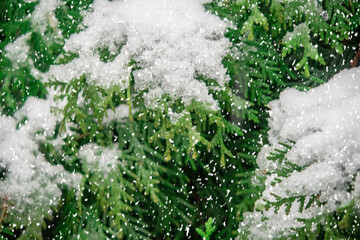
(16, 85)
(264, 53)
(97, 99)
(13, 21)
(300, 38)
(209, 229)
(143, 136)
(256, 17)
(175, 172)
(265, 60)
(70, 16)
(341, 224)
(17, 82)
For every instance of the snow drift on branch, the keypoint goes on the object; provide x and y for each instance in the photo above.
(25, 175)
(99, 159)
(325, 125)
(171, 42)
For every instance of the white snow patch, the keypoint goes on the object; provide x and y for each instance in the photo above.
(325, 124)
(18, 50)
(30, 183)
(121, 112)
(43, 16)
(172, 42)
(99, 159)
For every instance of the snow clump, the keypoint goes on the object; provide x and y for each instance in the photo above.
(172, 42)
(25, 174)
(324, 124)
(99, 159)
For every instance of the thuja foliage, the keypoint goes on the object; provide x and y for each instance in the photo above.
(279, 44)
(338, 224)
(209, 229)
(172, 174)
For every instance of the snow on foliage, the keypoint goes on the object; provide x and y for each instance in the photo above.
(44, 16)
(172, 42)
(120, 113)
(18, 50)
(324, 123)
(99, 159)
(29, 184)
(25, 174)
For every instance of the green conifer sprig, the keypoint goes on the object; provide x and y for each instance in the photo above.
(13, 21)
(169, 168)
(339, 225)
(300, 38)
(329, 23)
(209, 229)
(333, 225)
(70, 16)
(17, 82)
